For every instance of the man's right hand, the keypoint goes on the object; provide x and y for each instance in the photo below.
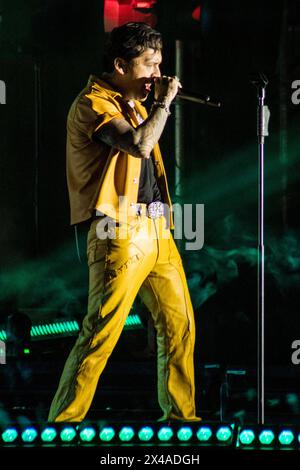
(139, 141)
(166, 88)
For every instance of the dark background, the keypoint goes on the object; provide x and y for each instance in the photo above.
(47, 51)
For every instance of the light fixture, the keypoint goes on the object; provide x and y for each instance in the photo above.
(204, 434)
(29, 434)
(184, 434)
(9, 435)
(146, 434)
(224, 433)
(247, 437)
(48, 434)
(165, 434)
(286, 437)
(266, 437)
(67, 434)
(107, 434)
(126, 434)
(87, 434)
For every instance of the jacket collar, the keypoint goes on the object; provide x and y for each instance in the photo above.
(101, 83)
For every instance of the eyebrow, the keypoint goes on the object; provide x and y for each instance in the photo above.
(155, 61)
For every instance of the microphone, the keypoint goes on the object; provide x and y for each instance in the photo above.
(188, 95)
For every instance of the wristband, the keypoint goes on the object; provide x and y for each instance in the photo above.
(161, 104)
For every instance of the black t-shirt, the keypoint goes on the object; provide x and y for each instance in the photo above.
(148, 187)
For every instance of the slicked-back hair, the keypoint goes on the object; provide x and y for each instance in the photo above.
(130, 41)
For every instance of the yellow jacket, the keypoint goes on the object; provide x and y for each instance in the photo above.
(98, 175)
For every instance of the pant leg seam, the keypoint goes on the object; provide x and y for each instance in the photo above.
(186, 311)
(165, 343)
(79, 366)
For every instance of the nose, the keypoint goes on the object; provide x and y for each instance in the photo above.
(156, 72)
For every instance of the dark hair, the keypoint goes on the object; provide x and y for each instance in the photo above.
(131, 40)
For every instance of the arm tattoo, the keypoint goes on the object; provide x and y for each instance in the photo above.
(149, 132)
(138, 141)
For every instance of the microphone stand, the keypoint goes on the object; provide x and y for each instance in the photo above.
(263, 115)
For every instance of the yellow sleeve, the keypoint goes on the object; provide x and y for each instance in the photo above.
(104, 109)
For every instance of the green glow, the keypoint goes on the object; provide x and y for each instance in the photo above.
(2, 335)
(247, 436)
(184, 434)
(48, 329)
(223, 434)
(29, 435)
(48, 435)
(286, 437)
(67, 434)
(69, 327)
(107, 434)
(133, 320)
(146, 434)
(87, 434)
(266, 437)
(165, 434)
(9, 435)
(26, 351)
(126, 434)
(204, 433)
(56, 328)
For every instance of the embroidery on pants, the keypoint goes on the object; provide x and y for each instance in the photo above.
(113, 273)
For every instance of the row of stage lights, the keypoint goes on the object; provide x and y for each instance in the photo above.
(67, 434)
(66, 328)
(209, 434)
(269, 437)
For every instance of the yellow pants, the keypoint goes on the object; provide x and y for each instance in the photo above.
(144, 259)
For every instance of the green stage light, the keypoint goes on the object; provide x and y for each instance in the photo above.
(165, 434)
(67, 434)
(266, 437)
(107, 434)
(286, 437)
(48, 435)
(3, 336)
(133, 320)
(204, 434)
(224, 434)
(53, 329)
(184, 434)
(67, 328)
(9, 435)
(87, 434)
(126, 434)
(29, 435)
(247, 436)
(146, 434)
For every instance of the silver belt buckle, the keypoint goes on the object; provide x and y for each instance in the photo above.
(155, 209)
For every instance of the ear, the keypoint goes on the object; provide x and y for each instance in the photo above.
(120, 66)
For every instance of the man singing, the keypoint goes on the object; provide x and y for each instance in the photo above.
(117, 182)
